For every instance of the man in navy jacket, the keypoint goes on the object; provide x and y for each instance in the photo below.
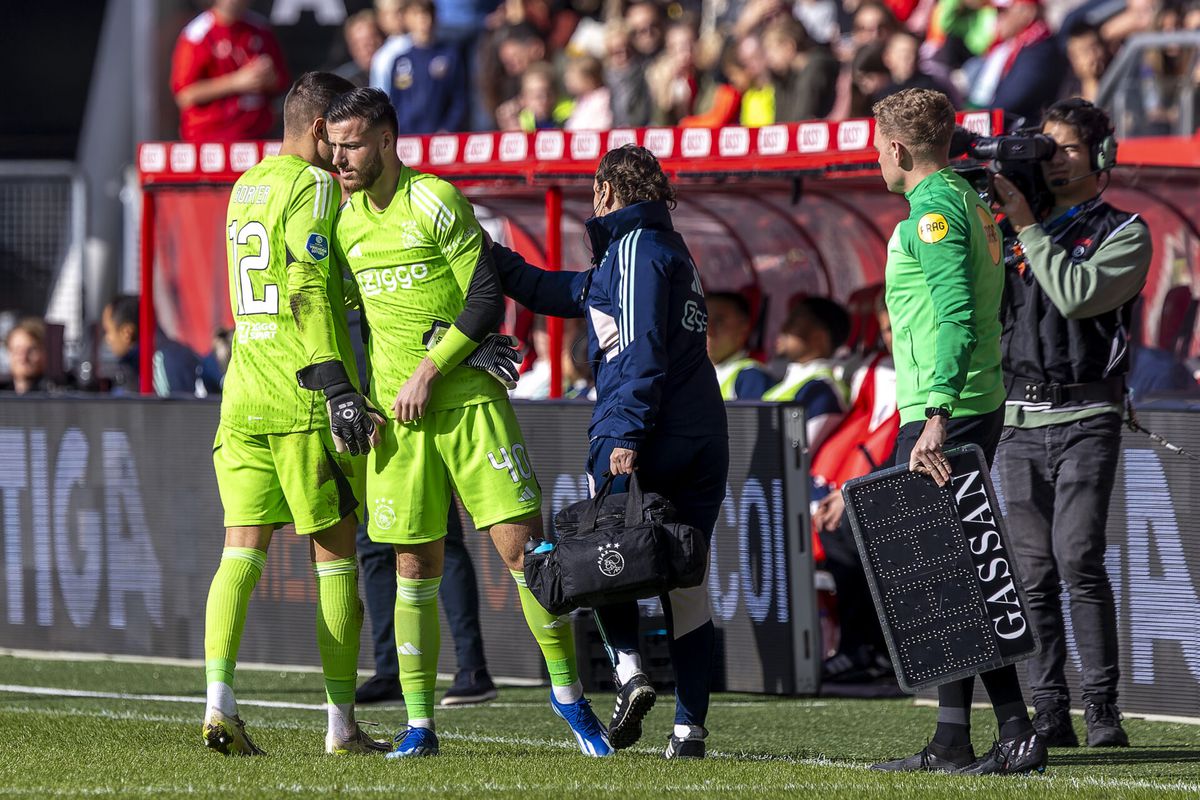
(658, 409)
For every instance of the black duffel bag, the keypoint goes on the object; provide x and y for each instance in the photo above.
(615, 547)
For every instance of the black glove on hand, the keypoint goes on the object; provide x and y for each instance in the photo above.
(497, 355)
(351, 418)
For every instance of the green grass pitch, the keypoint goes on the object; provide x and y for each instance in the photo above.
(120, 729)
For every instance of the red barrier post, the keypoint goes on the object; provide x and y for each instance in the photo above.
(554, 325)
(146, 324)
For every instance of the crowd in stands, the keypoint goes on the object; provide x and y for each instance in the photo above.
(453, 65)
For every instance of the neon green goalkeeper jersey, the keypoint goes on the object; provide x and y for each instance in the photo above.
(288, 307)
(413, 263)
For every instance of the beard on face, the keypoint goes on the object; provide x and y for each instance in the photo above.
(365, 175)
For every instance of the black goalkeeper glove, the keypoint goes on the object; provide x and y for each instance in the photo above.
(352, 421)
(497, 355)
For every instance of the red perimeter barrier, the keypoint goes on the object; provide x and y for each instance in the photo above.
(772, 211)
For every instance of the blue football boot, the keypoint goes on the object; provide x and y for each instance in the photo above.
(413, 742)
(592, 738)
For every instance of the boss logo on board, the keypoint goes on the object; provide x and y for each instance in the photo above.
(242, 156)
(514, 147)
(772, 140)
(660, 142)
(854, 135)
(408, 150)
(733, 142)
(585, 146)
(697, 142)
(183, 158)
(549, 145)
(620, 138)
(212, 157)
(812, 137)
(479, 148)
(443, 149)
(154, 158)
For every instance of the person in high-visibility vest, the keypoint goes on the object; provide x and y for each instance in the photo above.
(814, 329)
(729, 325)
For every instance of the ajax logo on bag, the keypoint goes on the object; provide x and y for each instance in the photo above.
(611, 562)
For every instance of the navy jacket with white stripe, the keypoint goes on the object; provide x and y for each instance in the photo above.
(647, 325)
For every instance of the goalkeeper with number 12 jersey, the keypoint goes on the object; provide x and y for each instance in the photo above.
(432, 300)
(284, 453)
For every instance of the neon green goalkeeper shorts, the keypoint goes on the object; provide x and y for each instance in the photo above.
(476, 452)
(276, 478)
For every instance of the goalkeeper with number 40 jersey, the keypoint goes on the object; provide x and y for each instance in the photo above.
(431, 297)
(279, 456)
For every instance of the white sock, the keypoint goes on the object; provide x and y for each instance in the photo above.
(568, 694)
(220, 697)
(341, 721)
(629, 663)
(684, 731)
(421, 723)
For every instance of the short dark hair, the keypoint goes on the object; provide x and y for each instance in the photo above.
(1089, 121)
(635, 176)
(369, 104)
(308, 98)
(735, 299)
(124, 310)
(828, 314)
(1082, 28)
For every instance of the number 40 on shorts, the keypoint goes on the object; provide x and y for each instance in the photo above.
(513, 459)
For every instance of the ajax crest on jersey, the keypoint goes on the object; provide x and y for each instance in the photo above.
(317, 246)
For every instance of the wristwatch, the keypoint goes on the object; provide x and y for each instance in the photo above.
(937, 411)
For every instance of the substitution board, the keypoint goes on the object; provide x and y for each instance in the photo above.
(941, 571)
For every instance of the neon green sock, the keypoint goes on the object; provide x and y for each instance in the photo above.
(339, 623)
(418, 640)
(553, 634)
(225, 614)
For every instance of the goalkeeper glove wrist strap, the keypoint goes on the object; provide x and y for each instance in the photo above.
(328, 376)
(451, 349)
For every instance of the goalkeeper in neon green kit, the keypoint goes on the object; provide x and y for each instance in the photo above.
(432, 299)
(284, 451)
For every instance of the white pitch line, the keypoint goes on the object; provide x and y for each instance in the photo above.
(54, 691)
(1071, 781)
(930, 702)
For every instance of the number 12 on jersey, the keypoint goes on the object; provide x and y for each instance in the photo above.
(247, 303)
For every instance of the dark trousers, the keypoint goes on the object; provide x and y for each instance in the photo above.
(1057, 481)
(459, 594)
(691, 474)
(983, 430)
(858, 621)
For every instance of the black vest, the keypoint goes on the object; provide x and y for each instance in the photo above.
(1064, 351)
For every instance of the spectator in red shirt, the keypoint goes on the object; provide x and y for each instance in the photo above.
(226, 69)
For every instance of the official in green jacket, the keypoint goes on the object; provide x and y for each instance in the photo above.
(943, 285)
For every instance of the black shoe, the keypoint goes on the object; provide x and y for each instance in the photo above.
(634, 700)
(470, 686)
(934, 758)
(1019, 755)
(864, 665)
(1104, 726)
(690, 746)
(1053, 725)
(379, 689)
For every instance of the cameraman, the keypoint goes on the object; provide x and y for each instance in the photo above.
(1071, 282)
